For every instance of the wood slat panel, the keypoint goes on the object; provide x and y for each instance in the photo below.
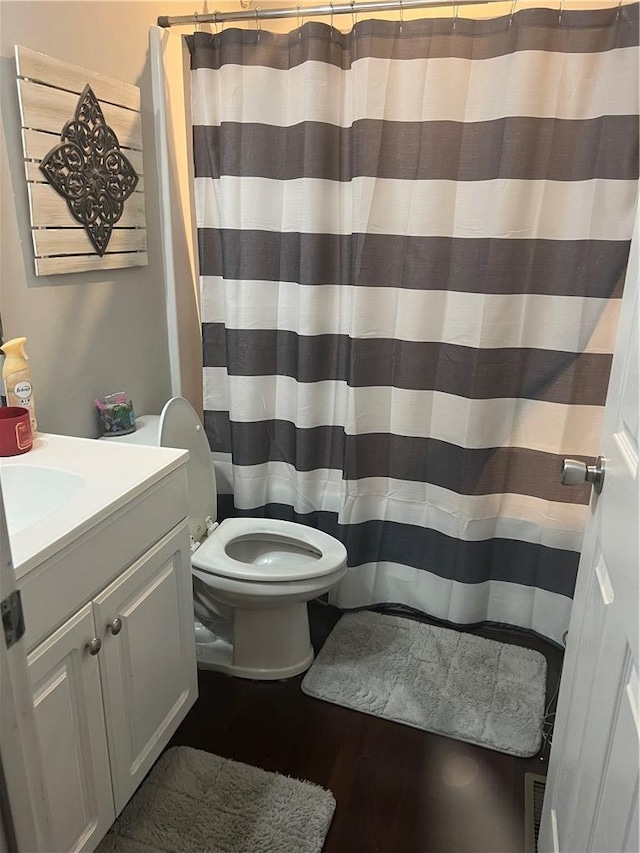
(37, 145)
(48, 109)
(48, 92)
(49, 210)
(56, 72)
(87, 263)
(35, 176)
(74, 241)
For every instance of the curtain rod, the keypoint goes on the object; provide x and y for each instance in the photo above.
(312, 11)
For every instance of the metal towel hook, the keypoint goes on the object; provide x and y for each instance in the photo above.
(513, 9)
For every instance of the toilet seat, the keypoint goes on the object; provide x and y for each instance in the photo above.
(326, 554)
(179, 426)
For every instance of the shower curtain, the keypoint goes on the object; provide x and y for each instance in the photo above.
(412, 239)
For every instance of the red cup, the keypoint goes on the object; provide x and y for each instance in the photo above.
(15, 431)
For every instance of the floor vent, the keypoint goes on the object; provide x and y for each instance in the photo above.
(533, 797)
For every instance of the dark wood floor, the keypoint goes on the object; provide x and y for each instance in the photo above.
(398, 790)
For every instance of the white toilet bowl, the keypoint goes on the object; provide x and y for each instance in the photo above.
(252, 577)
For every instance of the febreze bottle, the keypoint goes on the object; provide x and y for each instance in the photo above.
(17, 378)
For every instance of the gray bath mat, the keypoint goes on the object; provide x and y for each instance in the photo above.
(195, 801)
(454, 684)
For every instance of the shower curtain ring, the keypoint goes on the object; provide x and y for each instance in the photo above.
(258, 26)
(401, 15)
(195, 15)
(455, 15)
(354, 14)
(561, 11)
(618, 9)
(299, 19)
(215, 21)
(513, 9)
(331, 24)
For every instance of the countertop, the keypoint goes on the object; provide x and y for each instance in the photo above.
(111, 475)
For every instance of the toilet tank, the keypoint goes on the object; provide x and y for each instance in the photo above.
(179, 426)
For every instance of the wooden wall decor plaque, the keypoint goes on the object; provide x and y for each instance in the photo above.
(82, 143)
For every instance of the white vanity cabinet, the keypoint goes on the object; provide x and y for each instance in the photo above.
(111, 658)
(147, 659)
(69, 716)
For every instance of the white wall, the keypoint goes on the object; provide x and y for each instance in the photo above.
(88, 333)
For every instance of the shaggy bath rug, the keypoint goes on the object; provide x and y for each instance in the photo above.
(194, 801)
(448, 682)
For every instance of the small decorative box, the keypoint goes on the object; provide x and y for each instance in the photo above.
(116, 416)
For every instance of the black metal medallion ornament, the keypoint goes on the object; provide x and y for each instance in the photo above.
(90, 171)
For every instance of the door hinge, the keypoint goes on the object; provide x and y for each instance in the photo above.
(12, 618)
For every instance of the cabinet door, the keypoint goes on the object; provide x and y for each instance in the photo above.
(148, 665)
(69, 718)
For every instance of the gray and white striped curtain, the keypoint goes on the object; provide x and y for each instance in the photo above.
(412, 240)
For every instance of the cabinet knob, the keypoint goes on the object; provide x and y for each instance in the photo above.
(116, 626)
(94, 645)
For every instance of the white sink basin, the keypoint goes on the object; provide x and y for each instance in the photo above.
(64, 486)
(31, 492)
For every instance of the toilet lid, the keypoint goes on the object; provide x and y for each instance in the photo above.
(180, 427)
(215, 555)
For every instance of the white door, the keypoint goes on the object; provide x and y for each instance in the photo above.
(21, 783)
(147, 662)
(67, 701)
(591, 799)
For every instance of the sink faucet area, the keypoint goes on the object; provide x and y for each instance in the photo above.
(66, 485)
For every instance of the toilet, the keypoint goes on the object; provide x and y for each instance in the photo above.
(252, 577)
